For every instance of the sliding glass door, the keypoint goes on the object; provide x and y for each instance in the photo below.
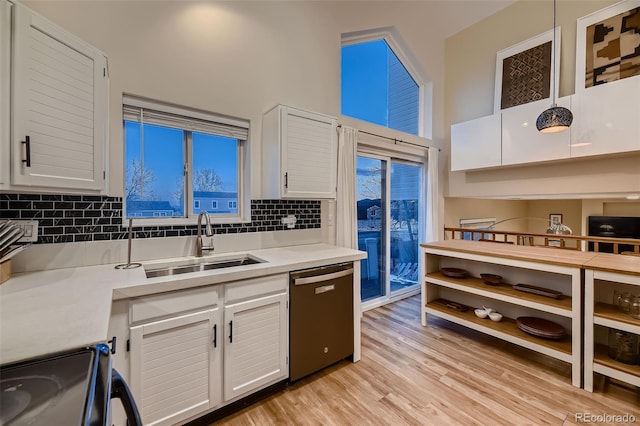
(372, 223)
(388, 205)
(405, 201)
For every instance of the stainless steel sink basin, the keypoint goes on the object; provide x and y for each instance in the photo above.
(204, 265)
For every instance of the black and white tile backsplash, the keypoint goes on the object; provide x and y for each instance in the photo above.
(74, 218)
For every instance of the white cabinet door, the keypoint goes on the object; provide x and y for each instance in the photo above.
(256, 344)
(59, 100)
(176, 366)
(5, 90)
(521, 140)
(606, 119)
(299, 154)
(475, 144)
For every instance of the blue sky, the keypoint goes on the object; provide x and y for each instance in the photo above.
(364, 81)
(164, 155)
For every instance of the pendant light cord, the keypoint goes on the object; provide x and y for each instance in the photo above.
(553, 53)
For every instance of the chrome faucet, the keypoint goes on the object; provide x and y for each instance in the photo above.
(208, 231)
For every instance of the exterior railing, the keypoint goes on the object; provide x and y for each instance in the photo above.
(570, 242)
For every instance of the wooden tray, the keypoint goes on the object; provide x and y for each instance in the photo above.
(454, 272)
(452, 305)
(538, 290)
(541, 327)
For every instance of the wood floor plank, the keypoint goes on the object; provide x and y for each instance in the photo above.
(442, 374)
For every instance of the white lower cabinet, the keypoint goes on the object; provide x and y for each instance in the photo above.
(542, 267)
(175, 367)
(256, 347)
(193, 351)
(605, 274)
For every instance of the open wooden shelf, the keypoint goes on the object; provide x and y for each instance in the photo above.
(502, 291)
(601, 357)
(610, 312)
(507, 326)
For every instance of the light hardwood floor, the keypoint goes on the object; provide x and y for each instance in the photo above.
(443, 374)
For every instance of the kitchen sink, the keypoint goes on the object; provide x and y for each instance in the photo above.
(153, 271)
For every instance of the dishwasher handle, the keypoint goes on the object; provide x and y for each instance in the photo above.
(320, 278)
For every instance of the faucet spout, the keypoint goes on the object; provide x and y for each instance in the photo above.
(208, 231)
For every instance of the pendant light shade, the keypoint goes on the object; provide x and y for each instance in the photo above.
(554, 119)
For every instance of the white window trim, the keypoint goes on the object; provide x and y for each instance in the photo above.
(401, 49)
(244, 171)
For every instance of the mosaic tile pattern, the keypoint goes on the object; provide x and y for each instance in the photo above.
(75, 218)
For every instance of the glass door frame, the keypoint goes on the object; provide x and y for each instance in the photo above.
(380, 154)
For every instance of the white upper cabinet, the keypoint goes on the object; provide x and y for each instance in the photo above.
(299, 154)
(59, 105)
(476, 144)
(521, 140)
(607, 119)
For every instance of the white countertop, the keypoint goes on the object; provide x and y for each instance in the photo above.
(51, 311)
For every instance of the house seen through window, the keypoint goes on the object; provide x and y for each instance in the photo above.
(178, 162)
(378, 88)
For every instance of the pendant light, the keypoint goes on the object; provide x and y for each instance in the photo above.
(556, 118)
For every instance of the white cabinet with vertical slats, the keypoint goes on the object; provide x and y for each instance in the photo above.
(59, 105)
(176, 354)
(256, 344)
(299, 154)
(194, 351)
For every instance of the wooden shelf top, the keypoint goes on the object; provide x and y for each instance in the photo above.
(506, 326)
(546, 255)
(601, 357)
(615, 263)
(564, 303)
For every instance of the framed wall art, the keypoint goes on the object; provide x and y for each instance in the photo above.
(608, 45)
(524, 72)
(555, 218)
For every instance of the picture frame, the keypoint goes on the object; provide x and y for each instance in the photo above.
(555, 218)
(600, 32)
(537, 56)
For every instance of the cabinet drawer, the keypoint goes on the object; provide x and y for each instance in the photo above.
(170, 303)
(255, 287)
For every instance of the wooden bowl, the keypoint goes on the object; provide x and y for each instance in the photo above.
(491, 279)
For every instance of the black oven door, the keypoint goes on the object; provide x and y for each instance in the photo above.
(71, 388)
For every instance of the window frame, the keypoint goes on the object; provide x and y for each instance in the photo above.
(243, 214)
(399, 47)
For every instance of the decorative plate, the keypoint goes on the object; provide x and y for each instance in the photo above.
(541, 327)
(454, 272)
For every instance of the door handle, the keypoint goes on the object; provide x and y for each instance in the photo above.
(215, 335)
(27, 143)
(230, 331)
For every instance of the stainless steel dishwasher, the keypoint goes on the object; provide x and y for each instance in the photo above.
(321, 318)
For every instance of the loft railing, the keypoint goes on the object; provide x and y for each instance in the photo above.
(571, 242)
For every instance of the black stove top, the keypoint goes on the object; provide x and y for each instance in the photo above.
(51, 391)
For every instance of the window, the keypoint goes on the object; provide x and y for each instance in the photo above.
(177, 157)
(378, 83)
(232, 204)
